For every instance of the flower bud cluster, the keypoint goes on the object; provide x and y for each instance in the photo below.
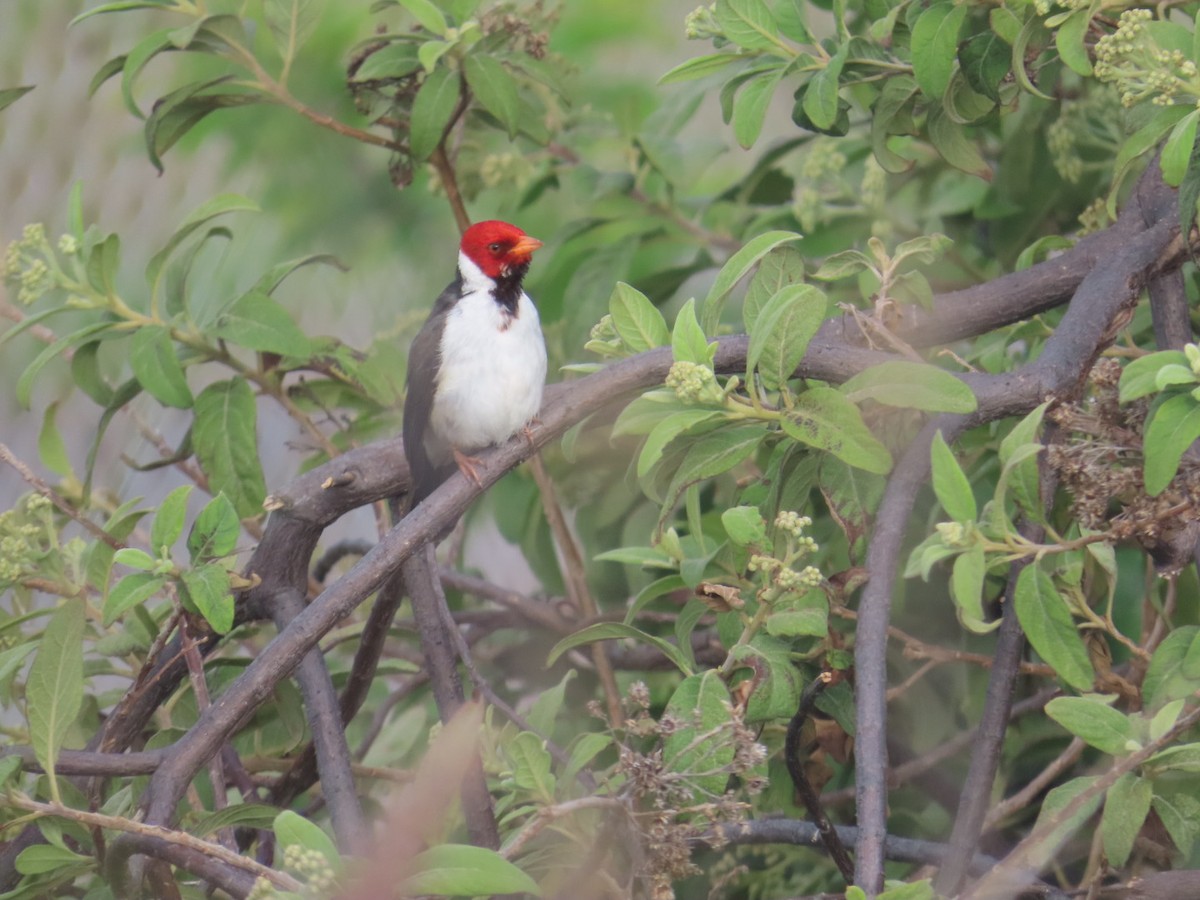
(873, 189)
(822, 160)
(781, 575)
(313, 867)
(509, 170)
(1131, 59)
(24, 538)
(694, 383)
(701, 24)
(953, 534)
(25, 265)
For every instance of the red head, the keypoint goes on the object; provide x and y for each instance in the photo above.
(497, 247)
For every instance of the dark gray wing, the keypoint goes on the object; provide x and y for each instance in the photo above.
(424, 358)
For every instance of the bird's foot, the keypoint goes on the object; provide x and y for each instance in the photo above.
(527, 430)
(467, 464)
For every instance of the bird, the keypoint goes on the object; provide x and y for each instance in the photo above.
(477, 367)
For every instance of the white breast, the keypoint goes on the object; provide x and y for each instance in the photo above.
(493, 368)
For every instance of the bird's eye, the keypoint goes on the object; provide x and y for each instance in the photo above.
(495, 248)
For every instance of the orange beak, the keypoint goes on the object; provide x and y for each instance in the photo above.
(524, 248)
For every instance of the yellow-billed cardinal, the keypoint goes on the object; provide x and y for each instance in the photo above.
(477, 367)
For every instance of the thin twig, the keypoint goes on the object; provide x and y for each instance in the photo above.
(576, 581)
(1027, 794)
(54, 497)
(281, 880)
(216, 769)
(548, 814)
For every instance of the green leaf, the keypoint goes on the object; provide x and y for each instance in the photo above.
(1168, 678)
(1024, 432)
(637, 556)
(1180, 814)
(430, 52)
(9, 96)
(119, 6)
(54, 688)
(1057, 800)
(688, 342)
(638, 322)
(911, 385)
(1047, 622)
(750, 107)
(1125, 811)
(206, 212)
(745, 526)
(495, 88)
(699, 66)
(950, 483)
(779, 683)
(43, 859)
(1069, 39)
(820, 102)
(274, 276)
(966, 587)
(824, 419)
(843, 265)
(10, 766)
(985, 60)
(587, 747)
(748, 23)
(293, 830)
(259, 322)
(431, 112)
(102, 264)
(715, 452)
(1177, 151)
(531, 764)
(700, 707)
(781, 267)
(135, 558)
(951, 142)
(1173, 426)
(428, 15)
(1094, 721)
(292, 23)
(226, 444)
(51, 449)
(1140, 377)
(25, 383)
(460, 870)
(807, 616)
(1170, 375)
(734, 270)
(397, 60)
(548, 705)
(666, 431)
(208, 588)
(129, 592)
(896, 97)
(782, 331)
(215, 532)
(168, 521)
(1142, 141)
(156, 366)
(610, 631)
(252, 815)
(178, 112)
(934, 43)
